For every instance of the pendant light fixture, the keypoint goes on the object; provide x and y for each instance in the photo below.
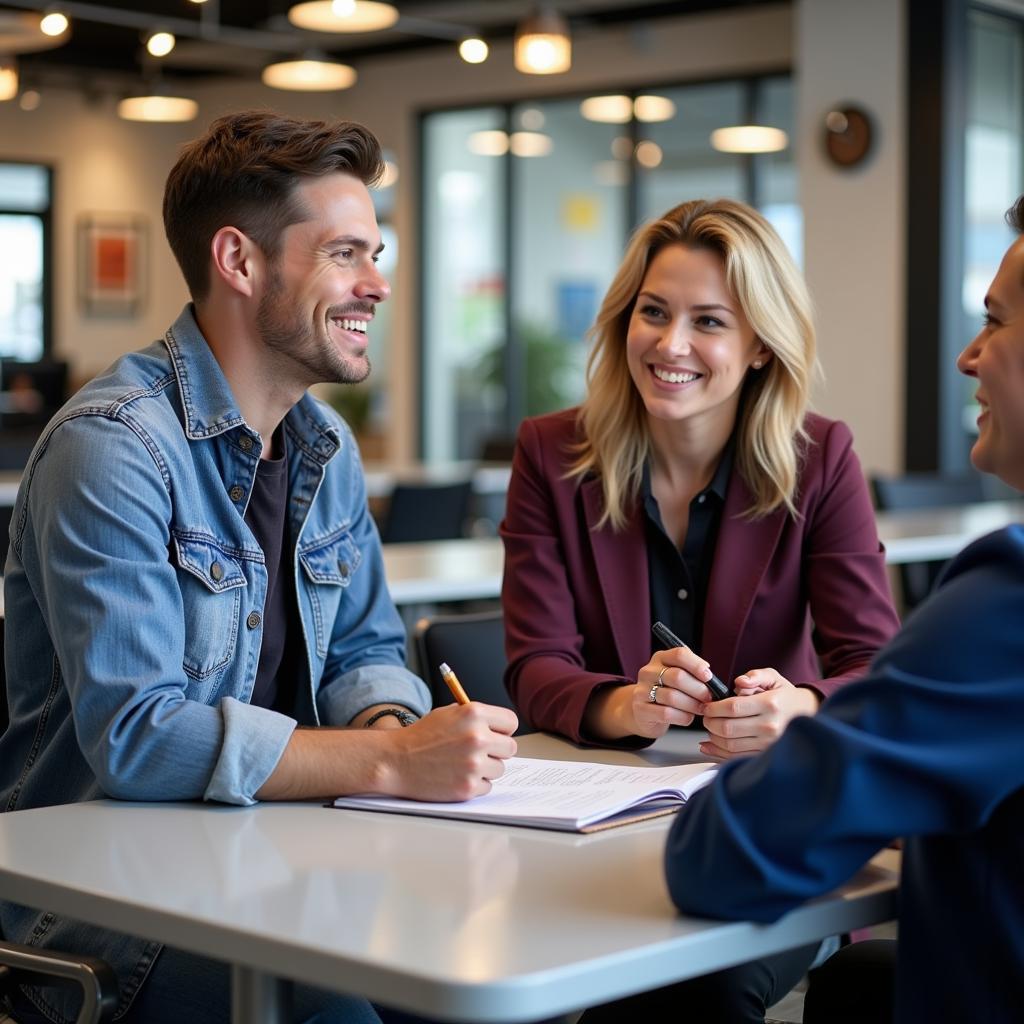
(343, 15)
(309, 73)
(543, 45)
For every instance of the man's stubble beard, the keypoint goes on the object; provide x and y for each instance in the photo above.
(296, 342)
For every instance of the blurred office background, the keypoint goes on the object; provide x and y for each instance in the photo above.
(511, 195)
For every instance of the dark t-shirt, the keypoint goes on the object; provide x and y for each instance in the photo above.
(267, 517)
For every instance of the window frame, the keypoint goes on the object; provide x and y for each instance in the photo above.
(513, 355)
(45, 217)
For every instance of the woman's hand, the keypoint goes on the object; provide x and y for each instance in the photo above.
(675, 676)
(764, 704)
(676, 679)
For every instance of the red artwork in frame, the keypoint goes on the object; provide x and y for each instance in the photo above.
(111, 264)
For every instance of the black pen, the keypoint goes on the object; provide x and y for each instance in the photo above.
(668, 640)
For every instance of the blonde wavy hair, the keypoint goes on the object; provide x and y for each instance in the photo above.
(771, 291)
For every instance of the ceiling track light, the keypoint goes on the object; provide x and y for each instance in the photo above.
(54, 22)
(542, 44)
(473, 50)
(160, 43)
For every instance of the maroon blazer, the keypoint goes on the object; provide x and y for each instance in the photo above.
(808, 596)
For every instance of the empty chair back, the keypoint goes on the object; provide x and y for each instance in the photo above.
(4, 714)
(927, 490)
(920, 491)
(418, 512)
(474, 646)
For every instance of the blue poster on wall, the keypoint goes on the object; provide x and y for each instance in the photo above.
(577, 307)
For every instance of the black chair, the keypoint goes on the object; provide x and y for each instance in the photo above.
(474, 646)
(6, 511)
(419, 512)
(918, 491)
(4, 713)
(27, 965)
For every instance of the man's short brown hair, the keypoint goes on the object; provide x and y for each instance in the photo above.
(1015, 216)
(243, 172)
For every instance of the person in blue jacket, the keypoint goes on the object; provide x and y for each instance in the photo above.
(196, 606)
(929, 746)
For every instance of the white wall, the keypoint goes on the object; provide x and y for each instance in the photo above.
(854, 220)
(854, 223)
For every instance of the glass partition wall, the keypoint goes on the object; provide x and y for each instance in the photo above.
(526, 210)
(993, 173)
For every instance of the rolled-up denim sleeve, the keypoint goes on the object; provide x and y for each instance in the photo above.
(94, 547)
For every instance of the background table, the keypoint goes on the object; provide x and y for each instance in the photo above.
(459, 570)
(449, 919)
(926, 535)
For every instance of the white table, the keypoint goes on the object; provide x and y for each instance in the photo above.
(444, 570)
(449, 919)
(935, 534)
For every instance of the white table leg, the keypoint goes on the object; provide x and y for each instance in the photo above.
(258, 997)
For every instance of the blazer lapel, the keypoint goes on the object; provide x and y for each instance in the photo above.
(742, 554)
(621, 560)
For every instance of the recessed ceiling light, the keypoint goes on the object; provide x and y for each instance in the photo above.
(530, 144)
(749, 138)
(607, 109)
(654, 108)
(648, 154)
(488, 143)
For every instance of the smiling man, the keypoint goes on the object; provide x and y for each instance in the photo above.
(196, 606)
(929, 747)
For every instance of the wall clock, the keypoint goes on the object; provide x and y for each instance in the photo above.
(848, 135)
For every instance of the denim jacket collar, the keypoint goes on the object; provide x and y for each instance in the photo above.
(209, 403)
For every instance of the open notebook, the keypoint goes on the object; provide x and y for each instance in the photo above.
(571, 796)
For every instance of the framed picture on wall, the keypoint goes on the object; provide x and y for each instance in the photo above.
(111, 263)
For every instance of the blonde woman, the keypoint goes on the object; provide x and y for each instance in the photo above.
(692, 486)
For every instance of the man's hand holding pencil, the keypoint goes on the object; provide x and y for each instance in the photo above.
(453, 753)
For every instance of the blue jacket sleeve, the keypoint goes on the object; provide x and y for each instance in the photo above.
(928, 743)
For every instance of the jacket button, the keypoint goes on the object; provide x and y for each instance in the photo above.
(253, 620)
(217, 572)
(343, 569)
(236, 493)
(245, 443)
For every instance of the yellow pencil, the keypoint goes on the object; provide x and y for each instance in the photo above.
(452, 681)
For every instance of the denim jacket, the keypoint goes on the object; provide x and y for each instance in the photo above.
(134, 594)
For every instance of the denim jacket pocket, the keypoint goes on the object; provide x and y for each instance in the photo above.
(329, 564)
(212, 582)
